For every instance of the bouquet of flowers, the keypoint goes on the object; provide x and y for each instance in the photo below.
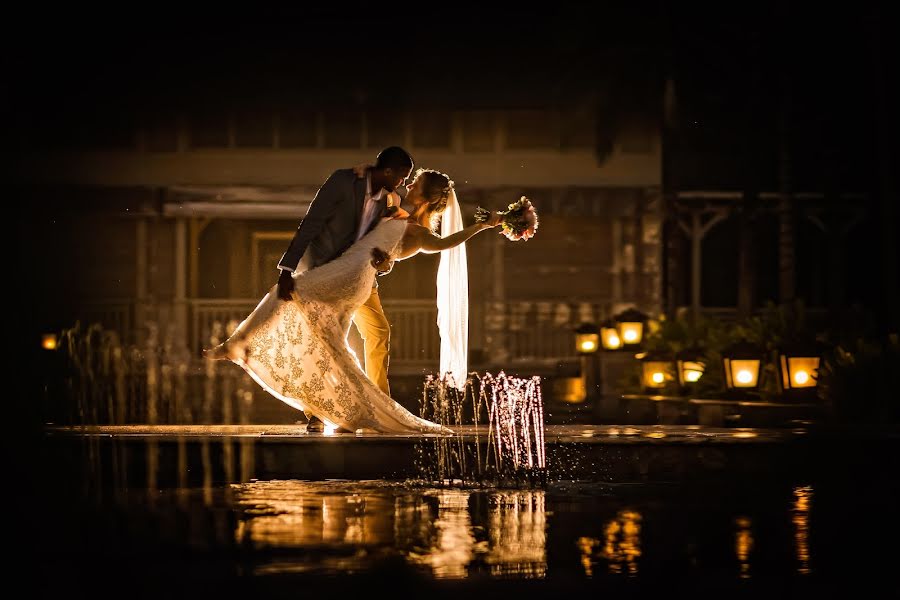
(520, 220)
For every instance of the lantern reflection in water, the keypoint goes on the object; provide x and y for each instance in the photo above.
(743, 545)
(800, 519)
(620, 547)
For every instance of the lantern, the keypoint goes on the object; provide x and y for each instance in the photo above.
(657, 370)
(690, 364)
(587, 338)
(799, 368)
(49, 341)
(630, 324)
(609, 335)
(742, 366)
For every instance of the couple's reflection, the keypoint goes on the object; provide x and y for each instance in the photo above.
(452, 533)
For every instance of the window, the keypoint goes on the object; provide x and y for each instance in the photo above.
(635, 136)
(385, 128)
(209, 129)
(161, 132)
(343, 129)
(531, 129)
(478, 131)
(431, 129)
(253, 128)
(297, 128)
(577, 129)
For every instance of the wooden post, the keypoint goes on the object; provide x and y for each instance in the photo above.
(618, 260)
(140, 288)
(196, 227)
(697, 230)
(696, 234)
(746, 270)
(180, 300)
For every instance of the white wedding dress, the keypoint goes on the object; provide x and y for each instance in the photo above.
(297, 351)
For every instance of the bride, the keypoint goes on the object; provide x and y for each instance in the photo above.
(297, 350)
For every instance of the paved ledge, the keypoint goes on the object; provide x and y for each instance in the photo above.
(202, 455)
(553, 434)
(722, 401)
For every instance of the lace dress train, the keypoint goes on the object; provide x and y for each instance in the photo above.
(297, 351)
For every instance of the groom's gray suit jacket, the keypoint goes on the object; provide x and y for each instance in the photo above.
(332, 221)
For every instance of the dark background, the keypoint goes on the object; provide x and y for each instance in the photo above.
(745, 80)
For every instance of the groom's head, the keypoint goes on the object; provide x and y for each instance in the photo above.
(392, 166)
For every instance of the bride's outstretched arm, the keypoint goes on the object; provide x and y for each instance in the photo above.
(432, 243)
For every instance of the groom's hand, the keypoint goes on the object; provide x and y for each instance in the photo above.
(285, 285)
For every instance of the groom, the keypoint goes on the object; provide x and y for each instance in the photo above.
(346, 208)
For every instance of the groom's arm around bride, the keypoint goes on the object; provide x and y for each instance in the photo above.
(322, 211)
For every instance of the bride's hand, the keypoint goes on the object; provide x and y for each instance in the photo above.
(381, 260)
(360, 170)
(495, 219)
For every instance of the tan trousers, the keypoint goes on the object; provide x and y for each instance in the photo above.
(375, 331)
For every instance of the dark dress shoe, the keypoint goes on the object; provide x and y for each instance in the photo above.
(315, 425)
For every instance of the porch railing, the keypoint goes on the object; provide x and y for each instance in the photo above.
(113, 314)
(510, 330)
(537, 331)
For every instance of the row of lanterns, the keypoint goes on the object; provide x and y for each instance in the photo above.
(742, 361)
(625, 331)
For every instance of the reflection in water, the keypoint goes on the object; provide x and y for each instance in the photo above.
(345, 526)
(248, 458)
(517, 528)
(622, 545)
(152, 470)
(586, 545)
(743, 544)
(508, 418)
(183, 490)
(800, 518)
(453, 546)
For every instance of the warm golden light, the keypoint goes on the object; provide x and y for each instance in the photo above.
(587, 340)
(742, 362)
(623, 542)
(743, 544)
(517, 534)
(586, 545)
(802, 498)
(569, 389)
(49, 341)
(335, 524)
(799, 371)
(611, 340)
(744, 373)
(657, 373)
(691, 371)
(630, 325)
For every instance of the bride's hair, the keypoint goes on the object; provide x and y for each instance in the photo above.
(436, 188)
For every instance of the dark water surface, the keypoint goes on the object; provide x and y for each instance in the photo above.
(808, 529)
